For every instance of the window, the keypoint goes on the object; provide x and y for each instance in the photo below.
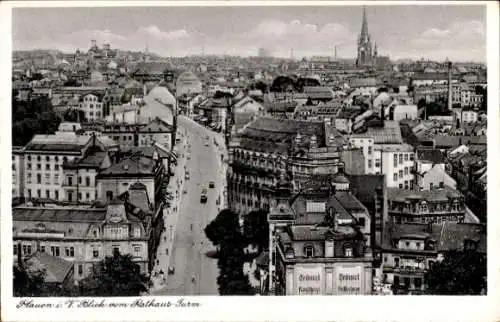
(38, 178)
(15, 249)
(29, 193)
(369, 150)
(441, 185)
(348, 252)
(400, 158)
(39, 158)
(29, 157)
(56, 178)
(56, 166)
(70, 196)
(395, 160)
(406, 170)
(406, 184)
(431, 186)
(362, 221)
(39, 193)
(79, 196)
(137, 232)
(396, 262)
(87, 181)
(80, 269)
(29, 166)
(109, 195)
(79, 180)
(395, 177)
(13, 167)
(418, 282)
(309, 251)
(369, 163)
(406, 156)
(38, 166)
(47, 178)
(87, 195)
(47, 167)
(411, 157)
(116, 250)
(400, 186)
(70, 181)
(29, 179)
(400, 174)
(47, 194)
(54, 250)
(56, 158)
(137, 251)
(56, 194)
(407, 244)
(418, 245)
(95, 253)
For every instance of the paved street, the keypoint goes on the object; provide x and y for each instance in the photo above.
(184, 237)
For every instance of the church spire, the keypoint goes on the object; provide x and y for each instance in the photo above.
(364, 26)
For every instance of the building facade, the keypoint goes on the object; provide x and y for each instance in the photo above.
(83, 236)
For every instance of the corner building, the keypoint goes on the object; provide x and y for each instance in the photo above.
(268, 147)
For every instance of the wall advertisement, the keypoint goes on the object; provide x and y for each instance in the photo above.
(349, 280)
(309, 280)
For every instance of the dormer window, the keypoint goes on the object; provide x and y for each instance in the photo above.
(348, 251)
(95, 233)
(309, 251)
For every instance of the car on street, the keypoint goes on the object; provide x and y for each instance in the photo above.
(184, 191)
(203, 199)
(211, 184)
(186, 176)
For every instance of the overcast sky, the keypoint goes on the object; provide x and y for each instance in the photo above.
(409, 31)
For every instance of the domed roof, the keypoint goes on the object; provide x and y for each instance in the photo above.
(340, 178)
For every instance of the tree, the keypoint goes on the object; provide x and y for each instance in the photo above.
(261, 86)
(459, 273)
(116, 275)
(224, 227)
(256, 228)
(28, 280)
(35, 116)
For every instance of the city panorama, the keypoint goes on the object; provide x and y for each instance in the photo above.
(273, 151)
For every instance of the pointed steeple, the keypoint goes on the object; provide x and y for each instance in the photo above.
(364, 26)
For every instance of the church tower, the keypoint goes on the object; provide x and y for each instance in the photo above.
(365, 54)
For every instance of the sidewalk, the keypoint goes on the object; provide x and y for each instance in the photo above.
(164, 251)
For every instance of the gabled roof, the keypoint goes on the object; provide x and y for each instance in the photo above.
(141, 166)
(57, 269)
(157, 125)
(402, 195)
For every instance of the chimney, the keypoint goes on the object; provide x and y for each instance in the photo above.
(450, 97)
(314, 142)
(298, 139)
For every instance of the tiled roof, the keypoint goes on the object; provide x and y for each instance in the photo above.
(137, 166)
(433, 155)
(93, 160)
(58, 214)
(56, 268)
(402, 195)
(390, 133)
(349, 201)
(282, 130)
(157, 126)
(67, 142)
(447, 141)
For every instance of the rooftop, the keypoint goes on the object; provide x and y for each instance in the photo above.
(403, 195)
(56, 268)
(60, 142)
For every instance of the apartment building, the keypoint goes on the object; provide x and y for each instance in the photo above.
(82, 235)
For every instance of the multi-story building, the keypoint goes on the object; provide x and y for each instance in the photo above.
(44, 157)
(17, 172)
(80, 184)
(116, 179)
(157, 131)
(409, 250)
(92, 105)
(267, 146)
(83, 235)
(469, 98)
(438, 205)
(320, 241)
(386, 153)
